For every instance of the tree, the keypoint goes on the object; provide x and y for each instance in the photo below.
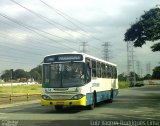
(36, 73)
(6, 76)
(132, 74)
(122, 77)
(147, 28)
(19, 73)
(156, 73)
(147, 77)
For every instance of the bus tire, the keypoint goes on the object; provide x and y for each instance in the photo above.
(58, 107)
(111, 98)
(91, 107)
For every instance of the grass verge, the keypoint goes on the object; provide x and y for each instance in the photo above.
(21, 89)
(123, 84)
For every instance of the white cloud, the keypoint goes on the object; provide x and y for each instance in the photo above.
(17, 36)
(12, 10)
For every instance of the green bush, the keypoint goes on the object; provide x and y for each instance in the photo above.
(123, 84)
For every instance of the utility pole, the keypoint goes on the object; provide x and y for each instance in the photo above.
(138, 68)
(148, 68)
(130, 64)
(106, 51)
(11, 77)
(84, 45)
(141, 72)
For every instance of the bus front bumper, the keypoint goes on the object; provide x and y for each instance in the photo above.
(79, 102)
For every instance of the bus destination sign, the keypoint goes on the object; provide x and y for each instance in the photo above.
(63, 58)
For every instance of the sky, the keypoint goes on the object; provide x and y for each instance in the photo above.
(32, 29)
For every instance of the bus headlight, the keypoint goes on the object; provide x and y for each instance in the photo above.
(78, 96)
(46, 97)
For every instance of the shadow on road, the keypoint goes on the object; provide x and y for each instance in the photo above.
(137, 97)
(37, 109)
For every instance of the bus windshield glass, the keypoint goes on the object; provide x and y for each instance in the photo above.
(57, 75)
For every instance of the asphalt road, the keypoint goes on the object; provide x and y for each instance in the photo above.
(132, 104)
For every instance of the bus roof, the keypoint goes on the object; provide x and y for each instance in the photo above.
(84, 55)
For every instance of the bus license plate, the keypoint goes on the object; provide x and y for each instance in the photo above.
(60, 103)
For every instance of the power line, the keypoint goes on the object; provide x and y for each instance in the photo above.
(65, 16)
(43, 18)
(15, 49)
(31, 44)
(31, 29)
(40, 31)
(50, 21)
(21, 50)
(31, 40)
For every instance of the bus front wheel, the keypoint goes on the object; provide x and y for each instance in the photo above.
(91, 107)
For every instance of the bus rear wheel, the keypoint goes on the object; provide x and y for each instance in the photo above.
(111, 98)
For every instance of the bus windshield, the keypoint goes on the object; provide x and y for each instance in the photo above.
(57, 75)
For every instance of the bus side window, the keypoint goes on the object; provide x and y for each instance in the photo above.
(88, 70)
(111, 70)
(88, 62)
(98, 69)
(115, 72)
(108, 71)
(103, 70)
(93, 68)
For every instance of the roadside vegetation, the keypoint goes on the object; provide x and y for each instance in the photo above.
(36, 89)
(123, 84)
(21, 89)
